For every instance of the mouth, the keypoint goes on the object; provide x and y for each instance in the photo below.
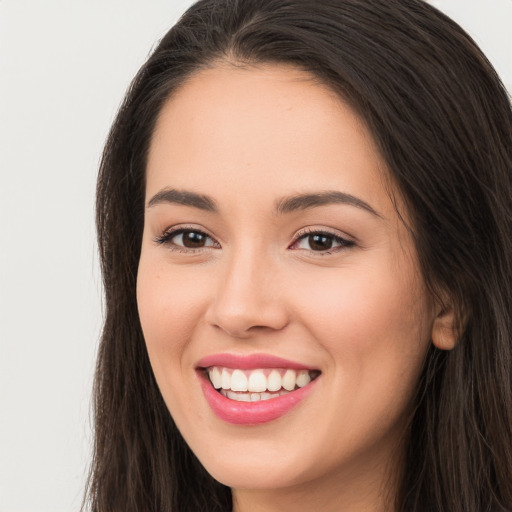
(250, 390)
(258, 384)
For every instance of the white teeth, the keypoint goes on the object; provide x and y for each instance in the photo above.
(257, 381)
(274, 381)
(239, 397)
(289, 380)
(303, 378)
(238, 381)
(226, 379)
(215, 377)
(260, 384)
(251, 397)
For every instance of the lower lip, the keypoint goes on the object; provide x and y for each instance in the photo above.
(252, 413)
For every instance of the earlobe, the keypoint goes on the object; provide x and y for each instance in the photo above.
(444, 333)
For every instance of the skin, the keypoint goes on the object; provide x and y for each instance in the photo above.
(360, 313)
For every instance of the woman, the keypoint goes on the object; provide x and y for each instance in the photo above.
(305, 230)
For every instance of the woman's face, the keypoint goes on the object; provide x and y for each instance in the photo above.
(272, 254)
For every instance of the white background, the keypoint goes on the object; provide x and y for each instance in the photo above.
(64, 67)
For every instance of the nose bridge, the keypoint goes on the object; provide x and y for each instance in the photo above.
(247, 296)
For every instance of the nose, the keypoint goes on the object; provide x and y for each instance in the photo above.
(248, 299)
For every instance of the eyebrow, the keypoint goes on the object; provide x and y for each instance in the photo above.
(183, 197)
(283, 206)
(306, 201)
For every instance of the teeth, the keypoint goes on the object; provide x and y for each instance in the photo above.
(257, 381)
(303, 378)
(289, 380)
(225, 379)
(274, 381)
(216, 378)
(239, 397)
(251, 397)
(261, 384)
(238, 381)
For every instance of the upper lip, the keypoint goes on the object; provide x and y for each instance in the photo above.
(250, 362)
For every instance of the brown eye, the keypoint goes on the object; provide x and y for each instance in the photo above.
(320, 242)
(186, 239)
(193, 239)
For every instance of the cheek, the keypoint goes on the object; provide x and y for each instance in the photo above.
(374, 322)
(374, 327)
(361, 302)
(170, 305)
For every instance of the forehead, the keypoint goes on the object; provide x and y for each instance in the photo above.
(268, 131)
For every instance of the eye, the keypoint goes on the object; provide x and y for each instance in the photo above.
(186, 239)
(321, 241)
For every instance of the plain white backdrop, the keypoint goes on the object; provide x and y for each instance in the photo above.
(64, 67)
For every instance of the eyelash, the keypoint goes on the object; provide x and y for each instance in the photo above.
(168, 235)
(304, 234)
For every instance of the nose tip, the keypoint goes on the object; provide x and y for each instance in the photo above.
(244, 318)
(242, 322)
(246, 304)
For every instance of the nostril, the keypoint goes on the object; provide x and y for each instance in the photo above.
(245, 305)
(244, 325)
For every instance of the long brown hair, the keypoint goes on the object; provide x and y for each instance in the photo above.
(443, 122)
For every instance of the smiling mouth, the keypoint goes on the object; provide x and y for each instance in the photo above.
(243, 385)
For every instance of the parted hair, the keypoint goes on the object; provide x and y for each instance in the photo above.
(443, 123)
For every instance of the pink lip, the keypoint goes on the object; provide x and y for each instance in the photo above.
(250, 413)
(249, 362)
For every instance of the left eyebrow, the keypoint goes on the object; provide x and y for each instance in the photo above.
(306, 201)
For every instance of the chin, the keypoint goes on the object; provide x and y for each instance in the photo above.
(257, 476)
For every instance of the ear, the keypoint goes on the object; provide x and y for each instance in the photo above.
(444, 332)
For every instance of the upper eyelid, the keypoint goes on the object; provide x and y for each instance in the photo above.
(343, 241)
(301, 232)
(326, 231)
(181, 228)
(172, 231)
(175, 230)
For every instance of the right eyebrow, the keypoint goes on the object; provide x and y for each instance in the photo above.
(183, 197)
